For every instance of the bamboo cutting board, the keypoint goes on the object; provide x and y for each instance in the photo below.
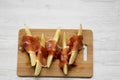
(83, 68)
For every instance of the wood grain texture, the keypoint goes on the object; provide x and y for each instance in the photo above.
(82, 69)
(102, 16)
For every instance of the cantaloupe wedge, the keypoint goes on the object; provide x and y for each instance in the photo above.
(38, 63)
(55, 38)
(32, 54)
(64, 46)
(75, 52)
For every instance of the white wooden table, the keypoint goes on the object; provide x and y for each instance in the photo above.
(102, 16)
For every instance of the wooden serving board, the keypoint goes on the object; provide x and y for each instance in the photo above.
(83, 68)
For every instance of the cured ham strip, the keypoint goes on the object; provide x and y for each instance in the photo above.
(75, 45)
(30, 43)
(51, 47)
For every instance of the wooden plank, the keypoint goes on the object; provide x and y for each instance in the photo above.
(83, 69)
